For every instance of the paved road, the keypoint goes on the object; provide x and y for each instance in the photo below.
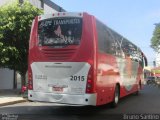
(141, 106)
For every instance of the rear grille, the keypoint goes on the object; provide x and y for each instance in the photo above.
(58, 54)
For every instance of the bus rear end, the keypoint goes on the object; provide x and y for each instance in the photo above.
(62, 59)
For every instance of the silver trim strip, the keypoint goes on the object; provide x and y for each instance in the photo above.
(60, 14)
(86, 99)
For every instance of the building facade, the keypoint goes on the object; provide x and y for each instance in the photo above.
(47, 5)
(8, 78)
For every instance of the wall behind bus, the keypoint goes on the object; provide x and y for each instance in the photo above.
(6, 78)
(48, 6)
(3, 2)
(48, 9)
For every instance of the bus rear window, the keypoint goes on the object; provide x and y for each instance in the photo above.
(60, 32)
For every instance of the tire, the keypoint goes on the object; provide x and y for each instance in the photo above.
(116, 97)
(139, 87)
(148, 82)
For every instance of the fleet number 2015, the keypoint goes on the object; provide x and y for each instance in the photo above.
(77, 78)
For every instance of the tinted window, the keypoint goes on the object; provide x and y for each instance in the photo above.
(108, 40)
(131, 51)
(111, 42)
(60, 31)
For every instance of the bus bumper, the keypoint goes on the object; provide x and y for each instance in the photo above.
(85, 99)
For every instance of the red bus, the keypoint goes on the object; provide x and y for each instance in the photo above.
(76, 59)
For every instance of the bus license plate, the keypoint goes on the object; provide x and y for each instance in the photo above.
(57, 89)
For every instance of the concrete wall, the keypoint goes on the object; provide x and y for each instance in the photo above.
(6, 75)
(48, 9)
(47, 6)
(6, 78)
(36, 3)
(3, 2)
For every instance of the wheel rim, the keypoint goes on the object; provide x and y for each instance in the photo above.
(116, 96)
(139, 87)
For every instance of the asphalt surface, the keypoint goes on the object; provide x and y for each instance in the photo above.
(144, 106)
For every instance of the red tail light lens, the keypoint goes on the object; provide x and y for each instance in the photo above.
(30, 80)
(89, 86)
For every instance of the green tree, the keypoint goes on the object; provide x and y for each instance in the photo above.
(155, 41)
(15, 26)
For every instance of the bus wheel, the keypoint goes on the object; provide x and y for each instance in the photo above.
(116, 97)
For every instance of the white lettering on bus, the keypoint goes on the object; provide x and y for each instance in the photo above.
(66, 21)
(59, 22)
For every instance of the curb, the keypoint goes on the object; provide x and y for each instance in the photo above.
(13, 102)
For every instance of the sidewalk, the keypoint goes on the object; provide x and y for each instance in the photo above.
(9, 97)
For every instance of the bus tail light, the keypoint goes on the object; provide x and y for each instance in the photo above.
(89, 86)
(30, 80)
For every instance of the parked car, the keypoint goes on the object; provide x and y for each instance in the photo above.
(157, 80)
(151, 80)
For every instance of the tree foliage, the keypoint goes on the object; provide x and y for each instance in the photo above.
(155, 41)
(15, 26)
